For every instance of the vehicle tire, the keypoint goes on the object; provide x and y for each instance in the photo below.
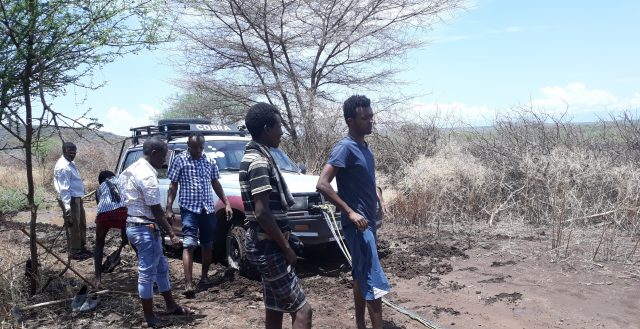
(236, 253)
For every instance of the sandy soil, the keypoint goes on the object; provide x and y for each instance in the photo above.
(503, 277)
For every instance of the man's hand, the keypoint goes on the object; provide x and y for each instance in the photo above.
(290, 256)
(67, 213)
(168, 214)
(359, 220)
(228, 210)
(175, 241)
(385, 208)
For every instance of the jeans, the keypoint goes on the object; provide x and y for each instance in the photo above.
(192, 223)
(152, 264)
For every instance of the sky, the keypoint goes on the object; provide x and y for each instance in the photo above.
(578, 57)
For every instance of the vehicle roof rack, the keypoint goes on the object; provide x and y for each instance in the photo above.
(170, 129)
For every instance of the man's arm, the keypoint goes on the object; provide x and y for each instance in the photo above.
(62, 178)
(171, 196)
(268, 224)
(156, 209)
(383, 205)
(217, 187)
(327, 175)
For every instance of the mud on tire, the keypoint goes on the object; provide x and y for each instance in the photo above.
(236, 253)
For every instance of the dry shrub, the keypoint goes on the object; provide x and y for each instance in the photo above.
(92, 158)
(13, 287)
(398, 144)
(446, 187)
(316, 143)
(531, 167)
(95, 153)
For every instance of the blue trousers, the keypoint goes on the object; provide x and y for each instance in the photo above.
(152, 264)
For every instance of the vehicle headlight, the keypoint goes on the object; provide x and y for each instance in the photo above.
(300, 203)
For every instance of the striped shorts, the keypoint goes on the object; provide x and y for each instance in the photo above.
(281, 286)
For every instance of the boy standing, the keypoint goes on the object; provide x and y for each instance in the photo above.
(352, 164)
(266, 200)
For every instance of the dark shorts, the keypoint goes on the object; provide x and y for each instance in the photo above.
(113, 219)
(281, 287)
(197, 227)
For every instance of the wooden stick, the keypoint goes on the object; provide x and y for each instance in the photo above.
(53, 302)
(59, 258)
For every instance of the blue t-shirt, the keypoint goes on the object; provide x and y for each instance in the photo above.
(356, 179)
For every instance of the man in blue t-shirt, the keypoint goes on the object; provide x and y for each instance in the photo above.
(352, 164)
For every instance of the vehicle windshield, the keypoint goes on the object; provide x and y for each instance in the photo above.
(228, 155)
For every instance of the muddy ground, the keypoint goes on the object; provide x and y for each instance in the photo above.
(500, 277)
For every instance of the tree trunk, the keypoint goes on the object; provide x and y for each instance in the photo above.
(26, 87)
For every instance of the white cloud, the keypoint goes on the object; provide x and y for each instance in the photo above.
(480, 34)
(454, 112)
(577, 98)
(119, 120)
(440, 39)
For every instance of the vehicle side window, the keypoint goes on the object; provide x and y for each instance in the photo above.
(132, 157)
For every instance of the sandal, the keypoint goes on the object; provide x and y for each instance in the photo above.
(205, 282)
(189, 291)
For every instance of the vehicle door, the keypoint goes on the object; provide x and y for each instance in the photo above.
(176, 223)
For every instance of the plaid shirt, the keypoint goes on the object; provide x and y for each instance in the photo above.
(194, 178)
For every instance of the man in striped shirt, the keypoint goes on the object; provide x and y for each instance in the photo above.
(111, 213)
(266, 200)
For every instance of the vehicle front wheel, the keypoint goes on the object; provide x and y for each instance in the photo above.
(236, 253)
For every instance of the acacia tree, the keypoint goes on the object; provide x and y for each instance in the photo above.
(300, 55)
(46, 46)
(202, 104)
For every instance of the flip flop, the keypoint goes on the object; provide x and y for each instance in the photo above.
(190, 291)
(205, 283)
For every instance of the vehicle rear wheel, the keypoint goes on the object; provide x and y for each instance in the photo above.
(236, 253)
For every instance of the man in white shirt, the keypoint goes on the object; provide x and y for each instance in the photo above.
(68, 183)
(145, 217)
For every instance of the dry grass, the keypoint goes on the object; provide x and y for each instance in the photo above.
(531, 168)
(93, 156)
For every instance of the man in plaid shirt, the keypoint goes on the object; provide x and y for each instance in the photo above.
(196, 173)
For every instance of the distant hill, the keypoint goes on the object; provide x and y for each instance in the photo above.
(97, 150)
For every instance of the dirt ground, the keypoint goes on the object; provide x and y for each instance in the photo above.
(500, 277)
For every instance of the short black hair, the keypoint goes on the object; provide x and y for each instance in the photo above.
(104, 175)
(153, 144)
(260, 115)
(352, 103)
(67, 145)
(198, 136)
